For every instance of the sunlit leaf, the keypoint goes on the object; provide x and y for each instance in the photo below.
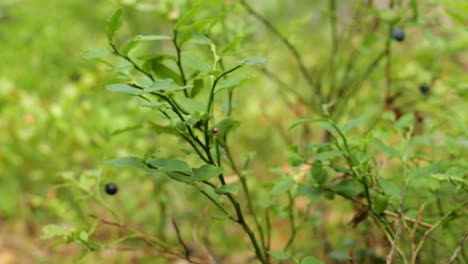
(206, 172)
(115, 22)
(124, 88)
(251, 61)
(282, 186)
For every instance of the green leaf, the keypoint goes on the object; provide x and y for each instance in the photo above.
(206, 172)
(339, 255)
(88, 179)
(353, 123)
(221, 217)
(170, 165)
(426, 171)
(201, 39)
(229, 188)
(126, 129)
(390, 188)
(282, 186)
(226, 125)
(153, 37)
(318, 173)
(379, 202)
(129, 46)
(157, 105)
(208, 190)
(251, 61)
(159, 85)
(177, 176)
(281, 255)
(190, 14)
(54, 231)
(190, 105)
(228, 50)
(115, 22)
(350, 188)
(231, 83)
(327, 155)
(127, 162)
(327, 126)
(83, 236)
(378, 145)
(311, 260)
(162, 71)
(405, 121)
(198, 85)
(196, 63)
(158, 57)
(305, 121)
(163, 130)
(124, 88)
(96, 53)
(136, 40)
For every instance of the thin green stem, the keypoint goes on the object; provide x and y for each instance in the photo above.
(246, 190)
(268, 235)
(213, 87)
(245, 226)
(179, 114)
(210, 106)
(292, 222)
(138, 68)
(179, 61)
(218, 155)
(225, 211)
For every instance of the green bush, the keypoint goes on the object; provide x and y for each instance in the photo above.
(240, 132)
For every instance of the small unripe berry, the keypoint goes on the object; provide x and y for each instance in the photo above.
(111, 188)
(398, 34)
(424, 89)
(214, 130)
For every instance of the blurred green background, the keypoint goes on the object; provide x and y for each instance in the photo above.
(56, 117)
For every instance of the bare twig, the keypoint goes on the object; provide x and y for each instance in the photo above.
(458, 249)
(181, 240)
(432, 229)
(151, 241)
(413, 231)
(386, 212)
(401, 219)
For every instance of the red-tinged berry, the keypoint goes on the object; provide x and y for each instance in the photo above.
(111, 188)
(214, 130)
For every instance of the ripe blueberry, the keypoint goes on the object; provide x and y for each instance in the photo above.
(424, 89)
(111, 188)
(214, 130)
(398, 34)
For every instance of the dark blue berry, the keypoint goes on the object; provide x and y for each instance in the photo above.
(398, 34)
(424, 89)
(111, 188)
